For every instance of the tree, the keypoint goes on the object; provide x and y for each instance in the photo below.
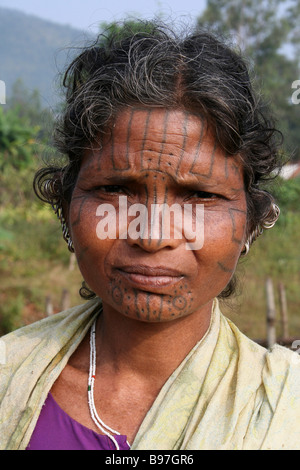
(16, 141)
(26, 104)
(252, 23)
(122, 30)
(267, 32)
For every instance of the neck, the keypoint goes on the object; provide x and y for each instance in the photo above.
(149, 350)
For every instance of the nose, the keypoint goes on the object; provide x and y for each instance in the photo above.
(155, 230)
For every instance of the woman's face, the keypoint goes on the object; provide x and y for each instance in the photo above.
(141, 262)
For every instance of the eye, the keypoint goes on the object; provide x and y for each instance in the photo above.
(204, 195)
(110, 188)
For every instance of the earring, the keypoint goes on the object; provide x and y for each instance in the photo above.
(49, 190)
(65, 230)
(267, 224)
(85, 292)
(246, 249)
(252, 237)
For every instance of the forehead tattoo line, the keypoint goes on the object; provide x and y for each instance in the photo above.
(185, 125)
(198, 149)
(166, 118)
(145, 137)
(212, 162)
(185, 121)
(128, 137)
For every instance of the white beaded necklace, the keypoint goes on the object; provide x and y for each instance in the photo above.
(91, 380)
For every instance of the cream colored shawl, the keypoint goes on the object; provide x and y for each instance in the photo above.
(228, 393)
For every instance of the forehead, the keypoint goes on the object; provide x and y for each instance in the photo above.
(171, 141)
(157, 124)
(157, 130)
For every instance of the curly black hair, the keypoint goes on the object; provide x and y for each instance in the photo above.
(155, 67)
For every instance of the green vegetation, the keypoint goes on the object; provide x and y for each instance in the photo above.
(267, 32)
(34, 261)
(276, 255)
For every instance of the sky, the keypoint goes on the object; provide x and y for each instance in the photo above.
(87, 14)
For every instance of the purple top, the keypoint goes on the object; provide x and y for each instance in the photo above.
(56, 430)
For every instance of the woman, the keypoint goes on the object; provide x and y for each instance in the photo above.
(154, 121)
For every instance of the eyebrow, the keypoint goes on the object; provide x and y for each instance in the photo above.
(192, 184)
(122, 178)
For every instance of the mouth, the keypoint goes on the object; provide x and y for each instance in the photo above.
(150, 276)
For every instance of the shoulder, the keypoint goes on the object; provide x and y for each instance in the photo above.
(19, 344)
(62, 321)
(274, 359)
(44, 337)
(281, 379)
(277, 365)
(280, 359)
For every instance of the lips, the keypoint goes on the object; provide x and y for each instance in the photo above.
(150, 276)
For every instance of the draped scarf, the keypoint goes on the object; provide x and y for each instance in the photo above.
(229, 393)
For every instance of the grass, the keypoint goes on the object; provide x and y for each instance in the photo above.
(34, 264)
(276, 255)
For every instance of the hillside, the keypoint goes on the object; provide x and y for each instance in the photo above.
(34, 50)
